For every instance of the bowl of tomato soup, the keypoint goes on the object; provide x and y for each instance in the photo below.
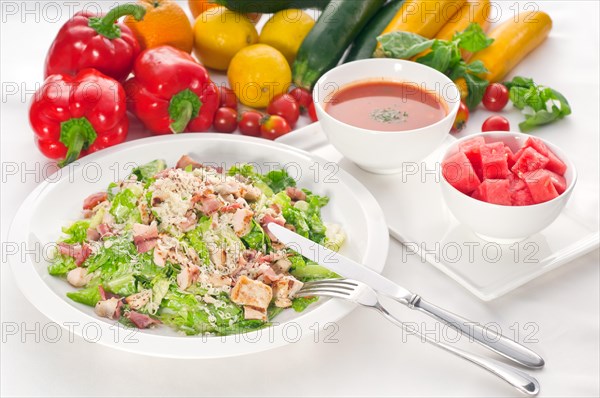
(385, 113)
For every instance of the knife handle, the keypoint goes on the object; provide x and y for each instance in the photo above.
(486, 337)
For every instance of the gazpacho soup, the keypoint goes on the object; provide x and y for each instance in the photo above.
(386, 106)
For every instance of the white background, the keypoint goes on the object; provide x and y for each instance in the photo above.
(371, 357)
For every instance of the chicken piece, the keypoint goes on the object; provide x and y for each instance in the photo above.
(285, 289)
(110, 308)
(282, 265)
(255, 313)
(251, 293)
(295, 194)
(138, 300)
(252, 193)
(188, 276)
(78, 277)
(242, 221)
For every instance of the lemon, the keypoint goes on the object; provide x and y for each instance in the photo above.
(219, 34)
(286, 31)
(257, 74)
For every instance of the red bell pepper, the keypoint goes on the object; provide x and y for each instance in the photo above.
(170, 92)
(73, 116)
(91, 41)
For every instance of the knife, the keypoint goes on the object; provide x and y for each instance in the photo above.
(351, 269)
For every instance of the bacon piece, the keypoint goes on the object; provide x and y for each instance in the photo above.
(94, 199)
(209, 203)
(145, 237)
(186, 161)
(266, 220)
(78, 251)
(141, 321)
(92, 234)
(231, 208)
(295, 194)
(104, 230)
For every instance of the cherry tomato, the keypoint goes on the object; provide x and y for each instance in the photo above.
(303, 97)
(225, 120)
(286, 106)
(250, 123)
(228, 98)
(312, 112)
(462, 117)
(495, 123)
(495, 97)
(273, 127)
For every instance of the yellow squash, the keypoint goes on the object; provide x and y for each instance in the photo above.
(424, 17)
(513, 40)
(472, 11)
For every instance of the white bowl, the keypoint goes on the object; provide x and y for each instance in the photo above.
(505, 224)
(385, 152)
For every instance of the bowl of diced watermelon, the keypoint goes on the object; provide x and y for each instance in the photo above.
(506, 186)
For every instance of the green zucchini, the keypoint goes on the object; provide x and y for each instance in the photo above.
(365, 43)
(333, 32)
(270, 6)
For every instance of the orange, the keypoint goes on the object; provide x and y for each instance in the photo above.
(197, 7)
(164, 23)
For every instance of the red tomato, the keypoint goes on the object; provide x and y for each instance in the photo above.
(312, 112)
(462, 117)
(495, 123)
(303, 97)
(286, 106)
(274, 126)
(250, 123)
(495, 97)
(228, 98)
(225, 120)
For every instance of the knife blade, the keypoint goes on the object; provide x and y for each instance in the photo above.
(338, 263)
(350, 269)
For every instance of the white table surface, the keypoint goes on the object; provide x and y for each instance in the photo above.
(370, 357)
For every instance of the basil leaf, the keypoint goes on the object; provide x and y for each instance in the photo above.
(540, 105)
(403, 45)
(477, 67)
(439, 58)
(473, 38)
(476, 86)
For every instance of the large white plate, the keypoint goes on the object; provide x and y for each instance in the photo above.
(58, 200)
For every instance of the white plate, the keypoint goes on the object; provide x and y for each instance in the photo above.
(58, 201)
(417, 216)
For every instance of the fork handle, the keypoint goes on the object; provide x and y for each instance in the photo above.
(518, 379)
(486, 337)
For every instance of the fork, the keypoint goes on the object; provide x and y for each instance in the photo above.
(364, 295)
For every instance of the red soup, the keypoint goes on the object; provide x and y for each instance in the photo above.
(386, 106)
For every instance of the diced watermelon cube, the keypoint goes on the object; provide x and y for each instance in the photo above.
(554, 163)
(471, 149)
(560, 183)
(459, 172)
(494, 161)
(510, 156)
(529, 160)
(494, 191)
(541, 187)
(519, 193)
